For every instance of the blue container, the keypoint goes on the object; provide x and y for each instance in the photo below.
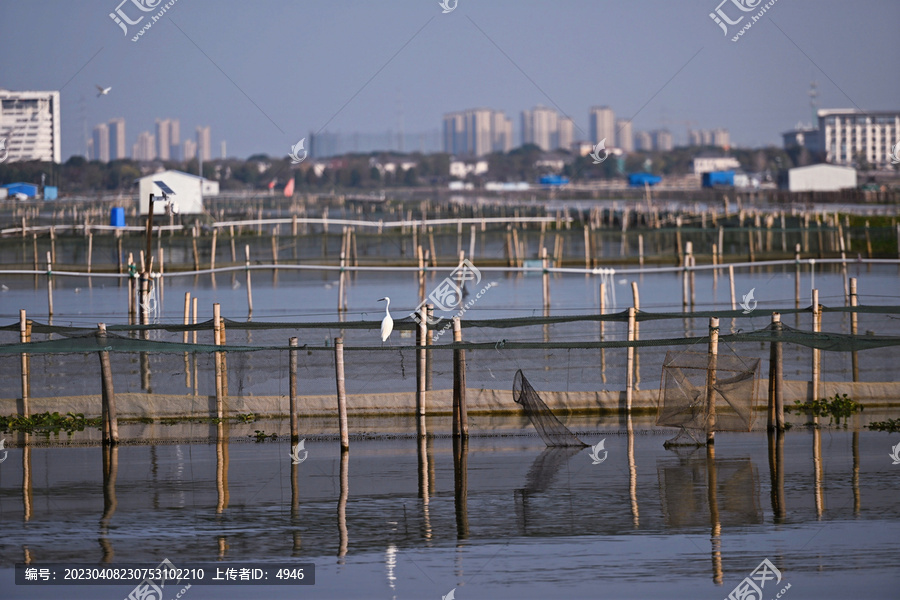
(51, 192)
(718, 179)
(640, 179)
(117, 217)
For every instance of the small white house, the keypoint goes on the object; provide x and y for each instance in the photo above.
(821, 178)
(189, 191)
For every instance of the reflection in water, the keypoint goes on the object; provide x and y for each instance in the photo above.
(390, 563)
(776, 475)
(426, 482)
(221, 467)
(632, 476)
(27, 499)
(819, 472)
(110, 472)
(715, 526)
(855, 478)
(461, 486)
(342, 503)
(538, 481)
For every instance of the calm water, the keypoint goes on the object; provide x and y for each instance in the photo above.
(533, 523)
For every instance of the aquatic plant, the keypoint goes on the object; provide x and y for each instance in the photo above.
(891, 425)
(837, 408)
(261, 436)
(47, 423)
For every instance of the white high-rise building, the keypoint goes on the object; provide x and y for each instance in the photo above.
(163, 140)
(100, 143)
(145, 147)
(603, 125)
(204, 145)
(565, 132)
(30, 125)
(662, 140)
(189, 150)
(117, 139)
(476, 132)
(848, 136)
(175, 140)
(643, 141)
(624, 135)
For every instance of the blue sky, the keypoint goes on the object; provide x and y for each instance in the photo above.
(263, 74)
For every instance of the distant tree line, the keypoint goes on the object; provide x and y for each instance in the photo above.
(373, 171)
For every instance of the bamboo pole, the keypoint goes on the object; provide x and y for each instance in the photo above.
(641, 249)
(817, 324)
(249, 289)
(24, 338)
(460, 418)
(854, 324)
(731, 285)
(49, 285)
(713, 357)
(217, 340)
(231, 235)
(775, 404)
(629, 362)
(196, 251)
(212, 251)
(90, 252)
(295, 435)
(111, 423)
(545, 276)
(187, 315)
(602, 308)
(194, 312)
(420, 371)
(587, 248)
(341, 392)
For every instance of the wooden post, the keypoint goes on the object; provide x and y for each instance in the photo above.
(194, 313)
(429, 340)
(641, 249)
(731, 285)
(340, 299)
(854, 324)
(196, 251)
(187, 315)
(146, 265)
(420, 371)
(629, 362)
(217, 340)
(49, 285)
(472, 243)
(545, 275)
(341, 392)
(249, 290)
(775, 382)
(713, 353)
(90, 254)
(24, 338)
(602, 308)
(111, 423)
(295, 435)
(816, 323)
(587, 248)
(231, 235)
(212, 250)
(797, 276)
(460, 418)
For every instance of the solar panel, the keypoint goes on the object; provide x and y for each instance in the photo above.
(166, 190)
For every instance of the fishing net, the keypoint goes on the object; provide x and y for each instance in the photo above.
(551, 430)
(683, 392)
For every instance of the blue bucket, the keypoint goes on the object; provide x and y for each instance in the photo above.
(117, 217)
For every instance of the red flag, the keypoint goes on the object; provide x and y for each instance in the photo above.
(272, 185)
(289, 188)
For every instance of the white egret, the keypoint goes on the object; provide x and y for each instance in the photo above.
(387, 325)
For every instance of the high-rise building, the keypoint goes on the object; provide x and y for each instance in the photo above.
(163, 141)
(189, 150)
(662, 140)
(643, 141)
(476, 132)
(30, 125)
(100, 143)
(849, 136)
(624, 135)
(145, 147)
(603, 124)
(565, 132)
(117, 149)
(175, 140)
(721, 138)
(224, 150)
(540, 127)
(204, 145)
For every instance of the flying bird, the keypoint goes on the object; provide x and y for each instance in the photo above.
(387, 324)
(102, 91)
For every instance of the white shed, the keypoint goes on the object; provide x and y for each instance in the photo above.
(821, 178)
(189, 191)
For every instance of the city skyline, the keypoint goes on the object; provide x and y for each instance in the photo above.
(398, 68)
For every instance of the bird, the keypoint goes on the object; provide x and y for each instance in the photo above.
(102, 91)
(387, 325)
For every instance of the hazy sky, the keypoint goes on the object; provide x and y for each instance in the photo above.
(263, 74)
